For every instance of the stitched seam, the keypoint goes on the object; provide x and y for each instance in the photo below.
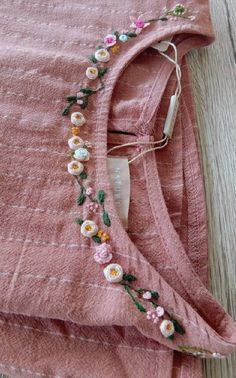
(24, 370)
(33, 149)
(72, 336)
(23, 95)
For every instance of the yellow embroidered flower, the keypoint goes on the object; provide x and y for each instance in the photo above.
(102, 55)
(75, 130)
(115, 49)
(103, 235)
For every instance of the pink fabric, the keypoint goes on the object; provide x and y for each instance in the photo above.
(59, 317)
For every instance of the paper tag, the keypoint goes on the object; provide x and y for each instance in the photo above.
(162, 46)
(118, 168)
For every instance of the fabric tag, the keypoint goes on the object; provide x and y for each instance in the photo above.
(118, 168)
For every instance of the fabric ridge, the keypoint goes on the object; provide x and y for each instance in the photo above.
(59, 315)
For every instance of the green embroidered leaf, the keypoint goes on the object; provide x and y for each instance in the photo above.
(154, 294)
(106, 219)
(99, 47)
(178, 327)
(81, 198)
(101, 196)
(96, 239)
(79, 221)
(140, 307)
(83, 175)
(171, 337)
(85, 103)
(92, 59)
(87, 90)
(102, 71)
(129, 277)
(116, 33)
(131, 34)
(65, 111)
(163, 18)
(71, 98)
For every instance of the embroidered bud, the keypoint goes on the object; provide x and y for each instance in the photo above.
(75, 143)
(103, 253)
(102, 55)
(167, 328)
(109, 40)
(92, 73)
(113, 273)
(89, 228)
(78, 119)
(147, 295)
(81, 154)
(160, 311)
(123, 38)
(75, 167)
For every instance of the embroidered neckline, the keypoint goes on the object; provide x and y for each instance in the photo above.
(79, 154)
(111, 44)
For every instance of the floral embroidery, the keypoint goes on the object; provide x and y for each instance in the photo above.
(145, 300)
(103, 253)
(199, 352)
(110, 45)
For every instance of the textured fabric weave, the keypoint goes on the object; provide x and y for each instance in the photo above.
(58, 315)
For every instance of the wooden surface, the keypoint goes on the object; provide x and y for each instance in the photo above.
(213, 73)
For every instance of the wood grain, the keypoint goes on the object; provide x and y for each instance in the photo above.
(214, 87)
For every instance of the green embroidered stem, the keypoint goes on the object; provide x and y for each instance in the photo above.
(137, 303)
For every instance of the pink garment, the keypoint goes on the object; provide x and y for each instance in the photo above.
(59, 316)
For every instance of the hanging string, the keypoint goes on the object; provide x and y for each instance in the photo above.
(169, 124)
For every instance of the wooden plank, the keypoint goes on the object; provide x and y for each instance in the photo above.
(213, 73)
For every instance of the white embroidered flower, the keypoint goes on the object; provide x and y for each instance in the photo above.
(217, 355)
(89, 228)
(82, 154)
(167, 328)
(78, 119)
(75, 143)
(92, 73)
(147, 295)
(102, 55)
(113, 273)
(75, 167)
(160, 311)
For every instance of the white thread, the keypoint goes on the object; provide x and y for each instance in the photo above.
(22, 370)
(33, 149)
(72, 336)
(149, 150)
(134, 144)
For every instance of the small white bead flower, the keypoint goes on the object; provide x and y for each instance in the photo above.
(167, 328)
(217, 355)
(89, 228)
(92, 73)
(75, 167)
(75, 143)
(78, 119)
(102, 55)
(82, 154)
(113, 273)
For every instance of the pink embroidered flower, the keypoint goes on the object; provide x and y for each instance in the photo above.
(152, 315)
(147, 295)
(138, 24)
(103, 253)
(89, 191)
(110, 40)
(160, 311)
(92, 207)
